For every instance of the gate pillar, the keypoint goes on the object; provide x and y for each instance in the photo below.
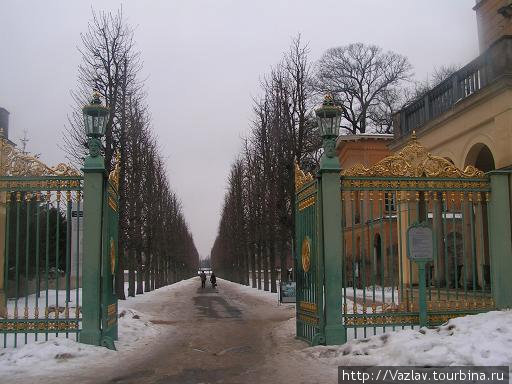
(94, 183)
(331, 249)
(330, 243)
(500, 238)
(96, 118)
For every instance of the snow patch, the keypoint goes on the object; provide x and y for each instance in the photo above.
(483, 339)
(63, 354)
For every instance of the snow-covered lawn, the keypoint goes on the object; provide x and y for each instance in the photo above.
(483, 339)
(135, 331)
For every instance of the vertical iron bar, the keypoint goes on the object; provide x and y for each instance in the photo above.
(68, 254)
(47, 260)
(17, 270)
(391, 248)
(398, 195)
(382, 252)
(464, 258)
(38, 282)
(57, 259)
(77, 277)
(354, 303)
(455, 256)
(7, 238)
(435, 209)
(426, 199)
(343, 262)
(473, 242)
(445, 239)
(482, 242)
(27, 251)
(373, 260)
(363, 245)
(411, 303)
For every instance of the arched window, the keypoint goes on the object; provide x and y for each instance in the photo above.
(480, 156)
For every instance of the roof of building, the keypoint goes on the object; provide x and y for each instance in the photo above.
(365, 136)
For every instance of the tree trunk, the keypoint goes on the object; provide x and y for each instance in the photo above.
(140, 274)
(265, 265)
(131, 274)
(253, 266)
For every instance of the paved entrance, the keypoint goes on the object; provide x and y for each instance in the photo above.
(226, 335)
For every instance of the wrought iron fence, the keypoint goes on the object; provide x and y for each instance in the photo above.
(379, 282)
(40, 232)
(308, 267)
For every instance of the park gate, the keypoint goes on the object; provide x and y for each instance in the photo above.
(309, 281)
(380, 284)
(377, 284)
(41, 232)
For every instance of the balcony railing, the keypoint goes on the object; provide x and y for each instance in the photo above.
(479, 73)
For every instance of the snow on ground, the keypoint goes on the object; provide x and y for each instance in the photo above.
(483, 339)
(135, 330)
(270, 297)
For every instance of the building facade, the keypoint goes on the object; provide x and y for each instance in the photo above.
(468, 117)
(370, 236)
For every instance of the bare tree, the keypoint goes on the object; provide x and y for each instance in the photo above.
(361, 78)
(154, 240)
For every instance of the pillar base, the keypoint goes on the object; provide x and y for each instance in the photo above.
(335, 335)
(90, 337)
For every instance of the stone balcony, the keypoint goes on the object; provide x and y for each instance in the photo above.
(488, 72)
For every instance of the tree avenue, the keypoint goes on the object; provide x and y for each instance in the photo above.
(255, 234)
(155, 244)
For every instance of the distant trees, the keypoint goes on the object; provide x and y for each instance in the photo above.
(256, 228)
(155, 244)
(257, 220)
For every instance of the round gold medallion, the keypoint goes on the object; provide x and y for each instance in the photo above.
(306, 254)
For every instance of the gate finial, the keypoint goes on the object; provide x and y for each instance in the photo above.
(300, 177)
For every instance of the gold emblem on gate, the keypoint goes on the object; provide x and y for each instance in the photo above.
(306, 254)
(112, 255)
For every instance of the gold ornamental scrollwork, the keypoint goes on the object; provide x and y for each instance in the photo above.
(301, 178)
(14, 162)
(306, 254)
(413, 161)
(113, 176)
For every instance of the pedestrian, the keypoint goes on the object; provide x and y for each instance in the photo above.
(213, 280)
(203, 279)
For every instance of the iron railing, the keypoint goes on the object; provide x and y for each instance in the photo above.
(470, 79)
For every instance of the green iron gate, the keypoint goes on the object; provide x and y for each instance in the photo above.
(309, 269)
(39, 259)
(380, 285)
(109, 259)
(41, 225)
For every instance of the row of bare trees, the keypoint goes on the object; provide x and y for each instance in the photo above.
(255, 236)
(254, 241)
(155, 244)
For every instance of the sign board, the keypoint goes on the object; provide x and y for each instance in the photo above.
(287, 292)
(419, 238)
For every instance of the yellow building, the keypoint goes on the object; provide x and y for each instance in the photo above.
(468, 117)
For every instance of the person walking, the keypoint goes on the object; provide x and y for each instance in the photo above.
(213, 280)
(203, 279)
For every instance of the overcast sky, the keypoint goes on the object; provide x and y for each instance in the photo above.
(203, 61)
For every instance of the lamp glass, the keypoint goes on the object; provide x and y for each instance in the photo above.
(95, 118)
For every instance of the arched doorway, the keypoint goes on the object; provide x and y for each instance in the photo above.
(480, 156)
